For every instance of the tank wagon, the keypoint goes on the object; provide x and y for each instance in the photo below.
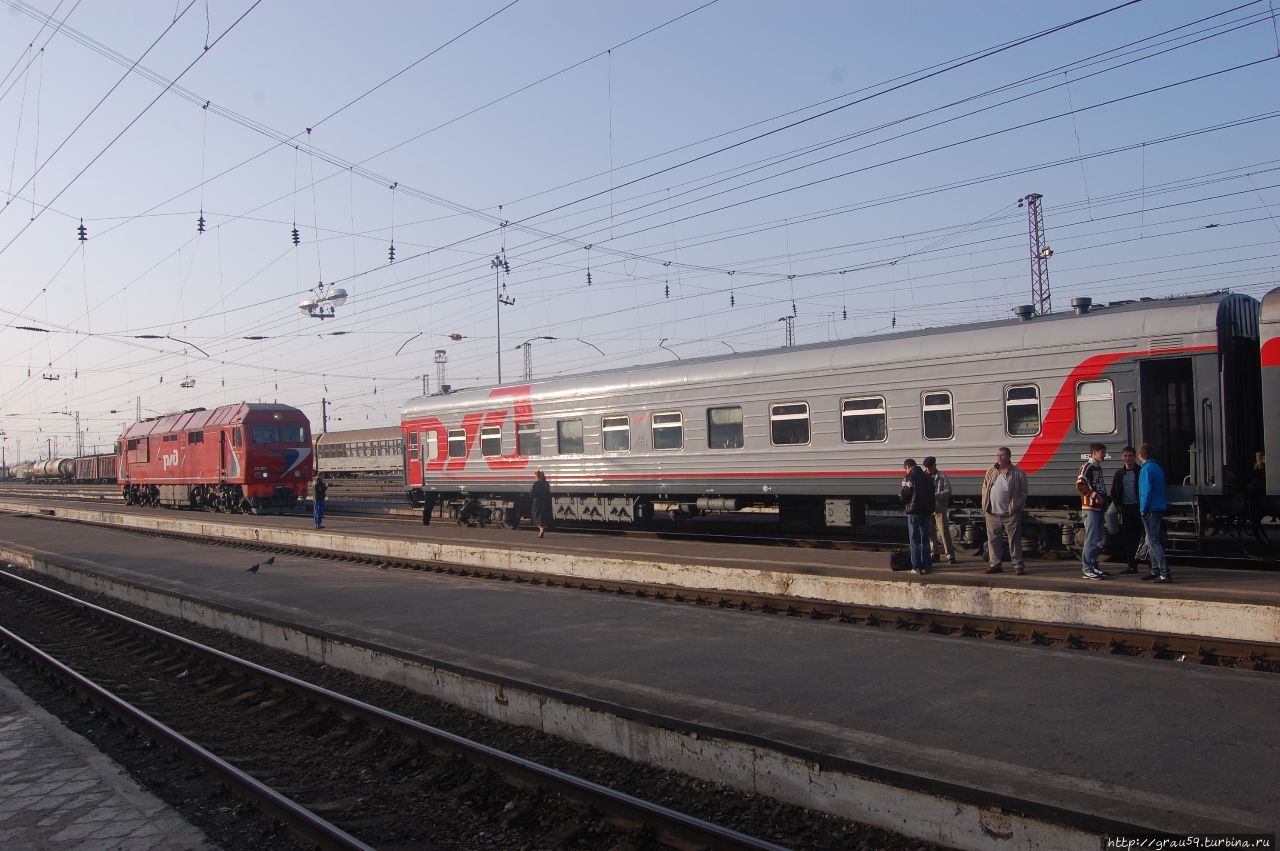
(249, 456)
(52, 471)
(819, 432)
(360, 452)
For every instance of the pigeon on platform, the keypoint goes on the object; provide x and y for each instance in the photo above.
(253, 569)
(271, 560)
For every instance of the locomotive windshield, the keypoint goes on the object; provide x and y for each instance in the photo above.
(279, 434)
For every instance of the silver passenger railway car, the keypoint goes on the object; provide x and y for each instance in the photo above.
(820, 431)
(360, 452)
(1270, 334)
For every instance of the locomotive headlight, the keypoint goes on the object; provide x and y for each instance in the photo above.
(297, 474)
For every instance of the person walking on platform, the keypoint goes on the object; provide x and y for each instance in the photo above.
(317, 504)
(940, 542)
(428, 506)
(1151, 502)
(1004, 495)
(1124, 495)
(1091, 484)
(541, 511)
(917, 502)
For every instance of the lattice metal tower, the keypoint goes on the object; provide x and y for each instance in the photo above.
(527, 345)
(1041, 298)
(441, 359)
(791, 330)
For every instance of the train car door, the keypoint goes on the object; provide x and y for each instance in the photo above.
(1169, 422)
(222, 454)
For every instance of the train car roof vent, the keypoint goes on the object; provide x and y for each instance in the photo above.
(1081, 305)
(1164, 343)
(1024, 312)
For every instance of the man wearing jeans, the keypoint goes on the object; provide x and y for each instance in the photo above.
(917, 503)
(1151, 503)
(1092, 485)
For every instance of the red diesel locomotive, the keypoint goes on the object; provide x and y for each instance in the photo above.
(249, 457)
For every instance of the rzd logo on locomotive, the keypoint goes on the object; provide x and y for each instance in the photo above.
(169, 460)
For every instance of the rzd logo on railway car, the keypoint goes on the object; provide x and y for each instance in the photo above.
(169, 460)
(522, 412)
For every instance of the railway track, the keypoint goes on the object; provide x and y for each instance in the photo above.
(1257, 656)
(341, 773)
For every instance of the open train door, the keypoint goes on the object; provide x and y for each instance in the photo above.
(1169, 422)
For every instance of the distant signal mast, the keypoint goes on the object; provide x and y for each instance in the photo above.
(1041, 298)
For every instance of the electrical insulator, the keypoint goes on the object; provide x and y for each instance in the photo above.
(733, 301)
(391, 252)
(200, 223)
(793, 309)
(506, 267)
(666, 291)
(82, 231)
(588, 277)
(297, 237)
(844, 313)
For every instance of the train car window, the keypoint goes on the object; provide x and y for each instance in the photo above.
(1022, 410)
(457, 443)
(724, 428)
(528, 439)
(431, 445)
(789, 424)
(668, 430)
(195, 437)
(413, 446)
(1095, 407)
(864, 420)
(939, 423)
(491, 440)
(569, 437)
(617, 433)
(169, 438)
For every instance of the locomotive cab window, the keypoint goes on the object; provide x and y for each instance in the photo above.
(236, 439)
(617, 433)
(864, 420)
(292, 434)
(457, 443)
(1022, 410)
(265, 434)
(668, 430)
(1095, 407)
(528, 439)
(491, 440)
(789, 424)
(724, 428)
(938, 420)
(569, 437)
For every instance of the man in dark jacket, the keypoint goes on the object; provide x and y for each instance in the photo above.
(1124, 494)
(317, 504)
(918, 503)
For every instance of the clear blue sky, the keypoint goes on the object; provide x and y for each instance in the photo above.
(900, 208)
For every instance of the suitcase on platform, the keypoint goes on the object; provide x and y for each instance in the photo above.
(899, 560)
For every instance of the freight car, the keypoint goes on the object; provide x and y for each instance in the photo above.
(95, 470)
(819, 432)
(52, 471)
(360, 452)
(248, 456)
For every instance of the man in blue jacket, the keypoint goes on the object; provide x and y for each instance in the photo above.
(1152, 504)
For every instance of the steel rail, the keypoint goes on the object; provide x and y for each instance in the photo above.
(677, 828)
(302, 820)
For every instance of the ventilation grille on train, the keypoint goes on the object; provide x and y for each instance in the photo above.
(1164, 343)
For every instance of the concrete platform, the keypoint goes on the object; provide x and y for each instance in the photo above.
(841, 716)
(58, 792)
(1227, 604)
